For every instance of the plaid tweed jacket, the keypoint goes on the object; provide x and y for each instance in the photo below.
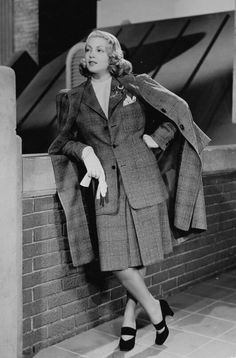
(179, 161)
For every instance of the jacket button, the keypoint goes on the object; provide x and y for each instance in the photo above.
(181, 127)
(114, 145)
(163, 110)
(113, 167)
(106, 128)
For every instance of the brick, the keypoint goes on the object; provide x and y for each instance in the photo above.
(203, 261)
(214, 199)
(185, 279)
(34, 279)
(62, 327)
(110, 307)
(229, 187)
(47, 317)
(153, 268)
(27, 206)
(62, 298)
(58, 244)
(27, 266)
(156, 290)
(26, 325)
(31, 338)
(46, 203)
(229, 224)
(224, 216)
(35, 249)
(27, 236)
(34, 220)
(86, 317)
(168, 285)
(99, 298)
(27, 296)
(34, 308)
(177, 271)
(74, 308)
(118, 292)
(56, 272)
(169, 262)
(212, 189)
(46, 289)
(48, 232)
(56, 217)
(45, 261)
(159, 277)
(148, 281)
(73, 281)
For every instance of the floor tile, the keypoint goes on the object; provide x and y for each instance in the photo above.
(219, 309)
(55, 352)
(230, 298)
(189, 302)
(215, 349)
(204, 325)
(224, 280)
(92, 343)
(178, 314)
(179, 342)
(214, 292)
(231, 272)
(229, 336)
(143, 352)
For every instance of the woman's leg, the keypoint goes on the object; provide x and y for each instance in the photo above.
(130, 308)
(133, 281)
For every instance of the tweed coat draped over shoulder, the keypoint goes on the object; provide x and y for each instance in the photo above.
(179, 163)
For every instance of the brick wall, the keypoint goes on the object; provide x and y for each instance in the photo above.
(60, 301)
(26, 27)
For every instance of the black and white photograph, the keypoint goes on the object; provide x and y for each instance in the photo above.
(118, 179)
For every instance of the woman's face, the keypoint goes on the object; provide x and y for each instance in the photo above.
(96, 56)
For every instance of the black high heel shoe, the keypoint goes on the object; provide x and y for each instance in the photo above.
(166, 311)
(127, 345)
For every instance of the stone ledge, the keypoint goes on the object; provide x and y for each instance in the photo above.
(38, 176)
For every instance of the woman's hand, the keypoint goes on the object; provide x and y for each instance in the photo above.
(149, 141)
(92, 164)
(94, 170)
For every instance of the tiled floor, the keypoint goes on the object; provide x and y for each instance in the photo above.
(204, 326)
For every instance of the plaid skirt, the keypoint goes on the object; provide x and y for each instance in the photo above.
(132, 238)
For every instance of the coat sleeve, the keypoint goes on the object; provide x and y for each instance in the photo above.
(164, 134)
(67, 176)
(66, 142)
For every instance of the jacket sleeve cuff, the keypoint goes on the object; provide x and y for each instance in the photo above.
(164, 134)
(75, 149)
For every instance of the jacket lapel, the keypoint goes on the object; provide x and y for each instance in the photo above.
(90, 99)
(116, 96)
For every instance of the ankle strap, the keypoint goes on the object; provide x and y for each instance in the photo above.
(160, 325)
(128, 331)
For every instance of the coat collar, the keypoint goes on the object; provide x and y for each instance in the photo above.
(90, 99)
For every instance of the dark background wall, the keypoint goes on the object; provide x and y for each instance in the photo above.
(62, 24)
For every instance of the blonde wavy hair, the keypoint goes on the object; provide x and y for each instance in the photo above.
(118, 66)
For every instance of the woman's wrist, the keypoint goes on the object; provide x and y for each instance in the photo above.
(86, 152)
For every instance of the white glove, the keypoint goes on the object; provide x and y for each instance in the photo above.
(92, 163)
(94, 170)
(149, 141)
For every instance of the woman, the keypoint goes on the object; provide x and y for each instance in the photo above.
(105, 124)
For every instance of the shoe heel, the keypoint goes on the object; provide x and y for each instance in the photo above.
(165, 308)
